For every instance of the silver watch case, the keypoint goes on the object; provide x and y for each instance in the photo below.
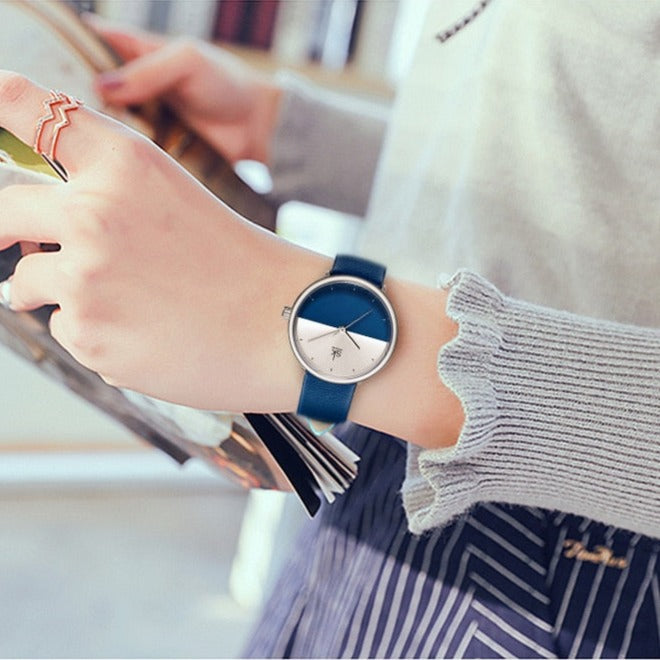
(291, 314)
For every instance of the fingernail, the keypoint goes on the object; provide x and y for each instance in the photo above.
(109, 81)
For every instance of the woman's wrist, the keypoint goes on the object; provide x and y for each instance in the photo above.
(187, 307)
(281, 271)
(406, 399)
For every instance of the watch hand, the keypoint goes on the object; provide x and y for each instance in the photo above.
(359, 318)
(325, 334)
(348, 334)
(343, 328)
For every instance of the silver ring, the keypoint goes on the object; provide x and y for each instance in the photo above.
(5, 294)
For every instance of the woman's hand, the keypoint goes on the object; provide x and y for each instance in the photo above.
(161, 288)
(215, 93)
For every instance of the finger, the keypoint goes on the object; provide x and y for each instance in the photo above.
(127, 42)
(63, 330)
(27, 213)
(146, 77)
(56, 325)
(82, 132)
(29, 248)
(34, 282)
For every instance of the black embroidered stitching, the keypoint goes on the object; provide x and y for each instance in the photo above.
(466, 20)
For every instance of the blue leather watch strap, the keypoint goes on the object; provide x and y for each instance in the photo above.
(323, 401)
(319, 399)
(346, 264)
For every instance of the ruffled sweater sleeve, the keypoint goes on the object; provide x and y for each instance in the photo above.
(562, 412)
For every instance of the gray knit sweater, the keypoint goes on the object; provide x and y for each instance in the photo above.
(558, 206)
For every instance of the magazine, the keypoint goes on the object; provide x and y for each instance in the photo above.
(272, 451)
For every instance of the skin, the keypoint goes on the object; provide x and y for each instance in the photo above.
(164, 289)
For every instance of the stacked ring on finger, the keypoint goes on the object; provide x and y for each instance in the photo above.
(57, 107)
(38, 117)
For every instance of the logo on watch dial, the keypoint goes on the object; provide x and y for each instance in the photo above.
(342, 329)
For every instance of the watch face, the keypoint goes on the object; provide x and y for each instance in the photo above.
(342, 329)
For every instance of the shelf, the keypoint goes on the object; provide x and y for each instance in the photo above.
(346, 80)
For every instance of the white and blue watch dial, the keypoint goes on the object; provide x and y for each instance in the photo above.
(342, 330)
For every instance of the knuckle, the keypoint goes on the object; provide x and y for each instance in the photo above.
(13, 87)
(77, 339)
(87, 221)
(139, 149)
(86, 276)
(131, 157)
(83, 338)
(81, 282)
(80, 337)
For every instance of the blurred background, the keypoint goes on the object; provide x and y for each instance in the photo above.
(107, 547)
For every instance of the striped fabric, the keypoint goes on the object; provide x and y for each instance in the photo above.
(497, 582)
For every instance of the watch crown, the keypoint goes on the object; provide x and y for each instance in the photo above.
(286, 312)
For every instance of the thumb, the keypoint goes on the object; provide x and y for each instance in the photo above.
(146, 77)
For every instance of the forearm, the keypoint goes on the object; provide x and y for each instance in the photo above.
(503, 401)
(406, 399)
(325, 147)
(561, 412)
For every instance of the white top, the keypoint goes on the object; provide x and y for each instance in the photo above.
(526, 147)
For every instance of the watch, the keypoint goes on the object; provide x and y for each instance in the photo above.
(342, 330)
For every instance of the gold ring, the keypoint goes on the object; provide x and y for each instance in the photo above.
(56, 106)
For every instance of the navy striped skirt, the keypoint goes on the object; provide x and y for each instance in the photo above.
(501, 581)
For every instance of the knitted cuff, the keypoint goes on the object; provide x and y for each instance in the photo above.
(562, 412)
